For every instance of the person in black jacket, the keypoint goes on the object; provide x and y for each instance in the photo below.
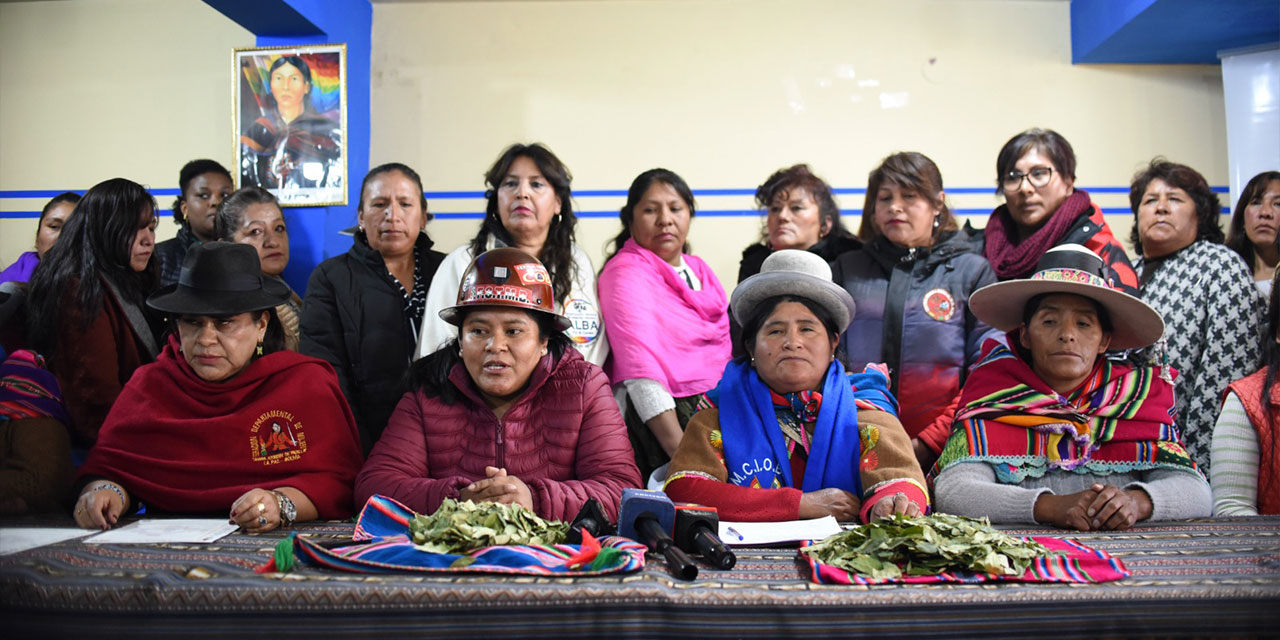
(911, 281)
(801, 213)
(363, 309)
(204, 184)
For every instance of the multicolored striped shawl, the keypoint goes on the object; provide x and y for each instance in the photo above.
(1119, 420)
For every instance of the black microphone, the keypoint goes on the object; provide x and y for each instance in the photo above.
(649, 517)
(696, 532)
(591, 519)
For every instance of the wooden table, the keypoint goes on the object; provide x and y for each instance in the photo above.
(1204, 577)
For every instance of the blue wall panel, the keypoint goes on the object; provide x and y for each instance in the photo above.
(313, 231)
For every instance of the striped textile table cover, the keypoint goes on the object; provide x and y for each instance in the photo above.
(1202, 577)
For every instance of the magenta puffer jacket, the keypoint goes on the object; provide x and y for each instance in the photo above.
(564, 438)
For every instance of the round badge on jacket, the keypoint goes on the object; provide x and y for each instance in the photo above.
(584, 321)
(939, 304)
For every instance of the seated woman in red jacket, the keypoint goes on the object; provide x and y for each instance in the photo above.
(225, 418)
(788, 434)
(508, 412)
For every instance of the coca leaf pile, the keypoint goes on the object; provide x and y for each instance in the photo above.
(895, 546)
(459, 527)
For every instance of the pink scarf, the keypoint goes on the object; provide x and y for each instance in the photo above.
(658, 327)
(1012, 259)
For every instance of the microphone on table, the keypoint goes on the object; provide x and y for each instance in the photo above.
(696, 532)
(591, 519)
(649, 517)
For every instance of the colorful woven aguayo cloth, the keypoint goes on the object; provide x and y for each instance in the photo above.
(385, 546)
(1076, 563)
(1193, 578)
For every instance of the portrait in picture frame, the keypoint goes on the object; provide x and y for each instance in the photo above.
(290, 122)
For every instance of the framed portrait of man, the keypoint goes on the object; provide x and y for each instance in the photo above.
(291, 122)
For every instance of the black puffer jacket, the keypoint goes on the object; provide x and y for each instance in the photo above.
(353, 317)
(829, 248)
(171, 253)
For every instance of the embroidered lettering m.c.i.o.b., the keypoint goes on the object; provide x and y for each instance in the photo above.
(275, 437)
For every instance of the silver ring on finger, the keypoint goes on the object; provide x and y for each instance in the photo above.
(262, 521)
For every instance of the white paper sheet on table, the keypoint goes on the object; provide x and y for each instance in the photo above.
(154, 531)
(15, 539)
(742, 534)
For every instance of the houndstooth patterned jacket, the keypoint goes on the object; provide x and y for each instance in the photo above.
(1213, 318)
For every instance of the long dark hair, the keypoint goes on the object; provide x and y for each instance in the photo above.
(557, 251)
(190, 171)
(1180, 176)
(430, 374)
(638, 188)
(303, 68)
(1237, 238)
(1270, 348)
(96, 243)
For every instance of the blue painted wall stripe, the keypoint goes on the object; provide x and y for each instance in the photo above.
(585, 193)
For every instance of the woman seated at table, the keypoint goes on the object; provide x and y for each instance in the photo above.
(1245, 473)
(225, 418)
(1052, 432)
(507, 412)
(667, 318)
(35, 441)
(788, 434)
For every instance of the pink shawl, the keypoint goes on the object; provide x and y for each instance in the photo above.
(658, 327)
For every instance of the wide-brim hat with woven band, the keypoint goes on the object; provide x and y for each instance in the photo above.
(220, 279)
(1070, 268)
(505, 277)
(797, 273)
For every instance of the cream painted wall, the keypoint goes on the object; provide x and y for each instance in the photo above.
(721, 91)
(91, 90)
(726, 91)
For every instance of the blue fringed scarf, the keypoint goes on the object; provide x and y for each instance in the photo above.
(755, 449)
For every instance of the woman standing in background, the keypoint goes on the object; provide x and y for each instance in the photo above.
(1036, 174)
(53, 217)
(1202, 289)
(363, 308)
(912, 281)
(801, 214)
(252, 216)
(528, 206)
(1245, 459)
(668, 316)
(1253, 228)
(204, 184)
(85, 306)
